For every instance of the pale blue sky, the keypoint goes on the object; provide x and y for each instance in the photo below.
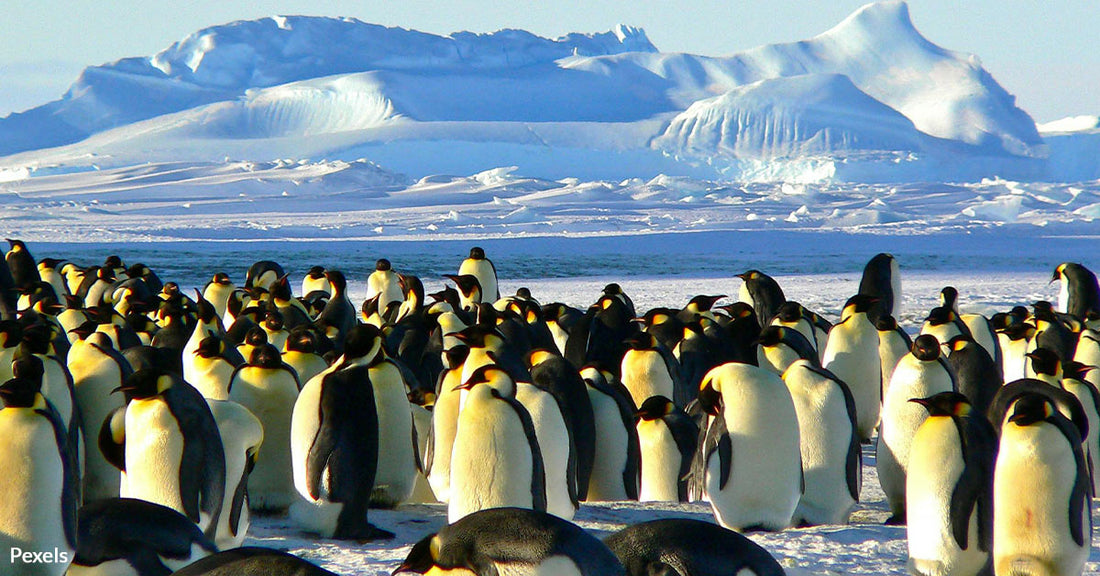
(1046, 53)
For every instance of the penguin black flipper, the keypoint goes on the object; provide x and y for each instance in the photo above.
(1079, 497)
(975, 484)
(114, 427)
(70, 466)
(202, 465)
(686, 435)
(717, 440)
(240, 494)
(538, 467)
(853, 465)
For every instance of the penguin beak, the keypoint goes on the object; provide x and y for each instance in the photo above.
(920, 401)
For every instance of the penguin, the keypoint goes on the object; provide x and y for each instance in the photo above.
(665, 325)
(56, 383)
(470, 294)
(700, 349)
(511, 541)
(852, 354)
(689, 547)
(600, 336)
(649, 369)
(1079, 292)
(559, 455)
(1065, 402)
(699, 306)
(262, 275)
(561, 320)
(779, 347)
(385, 284)
(338, 317)
(512, 473)
(218, 291)
(242, 435)
(829, 443)
(301, 354)
(882, 281)
(276, 330)
(949, 489)
(212, 371)
(445, 424)
(41, 492)
(207, 321)
(334, 446)
(254, 339)
(667, 438)
(1042, 521)
(943, 323)
(315, 281)
(1051, 333)
(480, 267)
(742, 330)
(1088, 348)
(920, 374)
(893, 343)
(1075, 380)
(293, 312)
(617, 455)
(793, 316)
(554, 374)
(24, 269)
(983, 333)
(252, 560)
(172, 450)
(397, 463)
(750, 460)
(763, 293)
(129, 536)
(9, 295)
(977, 374)
(1015, 340)
(97, 370)
(1044, 364)
(268, 388)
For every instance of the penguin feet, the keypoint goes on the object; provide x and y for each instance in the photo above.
(898, 519)
(361, 533)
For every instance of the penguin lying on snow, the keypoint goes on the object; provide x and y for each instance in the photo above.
(685, 547)
(251, 560)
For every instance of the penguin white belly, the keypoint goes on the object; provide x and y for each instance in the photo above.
(551, 566)
(852, 354)
(891, 349)
(422, 420)
(202, 330)
(1088, 348)
(776, 358)
(444, 427)
(1032, 483)
(396, 475)
(305, 364)
(645, 374)
(485, 274)
(30, 508)
(154, 450)
(609, 462)
(313, 515)
(561, 337)
(825, 434)
(491, 463)
(212, 377)
(553, 438)
(900, 420)
(979, 329)
(660, 463)
(1013, 359)
(95, 375)
(1063, 295)
(241, 432)
(270, 395)
(935, 466)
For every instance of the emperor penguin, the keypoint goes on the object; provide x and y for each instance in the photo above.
(208, 321)
(882, 281)
(56, 383)
(262, 275)
(242, 434)
(276, 329)
(338, 316)
(217, 292)
(1079, 292)
(617, 456)
(97, 370)
(668, 439)
(129, 536)
(920, 374)
(481, 268)
(561, 321)
(9, 295)
(559, 455)
(554, 374)
(509, 474)
(445, 424)
(1015, 340)
(763, 293)
(978, 376)
(334, 445)
(252, 560)
(24, 269)
(649, 369)
(793, 316)
(301, 354)
(893, 343)
(779, 347)
(1075, 380)
(944, 323)
(689, 547)
(949, 489)
(268, 388)
(292, 311)
(315, 281)
(1042, 520)
(852, 354)
(49, 269)
(1088, 348)
(172, 450)
(829, 441)
(1051, 333)
(212, 371)
(470, 294)
(1044, 364)
(511, 541)
(385, 284)
(751, 454)
(397, 462)
(41, 492)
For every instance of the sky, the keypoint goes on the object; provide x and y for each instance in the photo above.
(1046, 53)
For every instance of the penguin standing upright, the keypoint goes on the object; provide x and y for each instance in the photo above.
(617, 456)
(397, 468)
(482, 268)
(212, 371)
(242, 434)
(751, 455)
(920, 374)
(882, 281)
(338, 317)
(384, 284)
(444, 425)
(268, 388)
(949, 489)
(218, 291)
(1075, 380)
(649, 369)
(1079, 292)
(511, 541)
(301, 354)
(509, 474)
(559, 456)
(893, 343)
(24, 269)
(668, 439)
(1041, 506)
(40, 494)
(829, 441)
(978, 376)
(852, 354)
(763, 293)
(554, 374)
(97, 370)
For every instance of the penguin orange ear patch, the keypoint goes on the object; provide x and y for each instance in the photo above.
(434, 546)
(164, 383)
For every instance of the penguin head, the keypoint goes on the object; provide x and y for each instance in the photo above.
(301, 339)
(273, 321)
(1045, 361)
(858, 304)
(597, 375)
(1030, 409)
(750, 275)
(206, 310)
(363, 341)
(468, 284)
(789, 312)
(30, 368)
(1072, 370)
(540, 355)
(16, 245)
(38, 337)
(654, 407)
(11, 333)
(926, 348)
(945, 404)
(19, 393)
(494, 376)
(266, 356)
(422, 556)
(456, 355)
(221, 279)
(481, 336)
(641, 341)
(949, 297)
(316, 272)
(739, 311)
(337, 280)
(657, 317)
(1018, 331)
(886, 323)
(710, 398)
(280, 289)
(383, 265)
(255, 337)
(477, 253)
(146, 383)
(210, 347)
(613, 289)
(959, 343)
(941, 315)
(524, 293)
(703, 303)
(113, 262)
(771, 336)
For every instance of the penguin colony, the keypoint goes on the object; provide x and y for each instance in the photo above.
(150, 424)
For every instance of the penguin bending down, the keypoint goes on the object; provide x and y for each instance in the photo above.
(751, 454)
(829, 440)
(1041, 507)
(511, 541)
(851, 353)
(920, 374)
(252, 560)
(949, 489)
(667, 438)
(687, 547)
(129, 536)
